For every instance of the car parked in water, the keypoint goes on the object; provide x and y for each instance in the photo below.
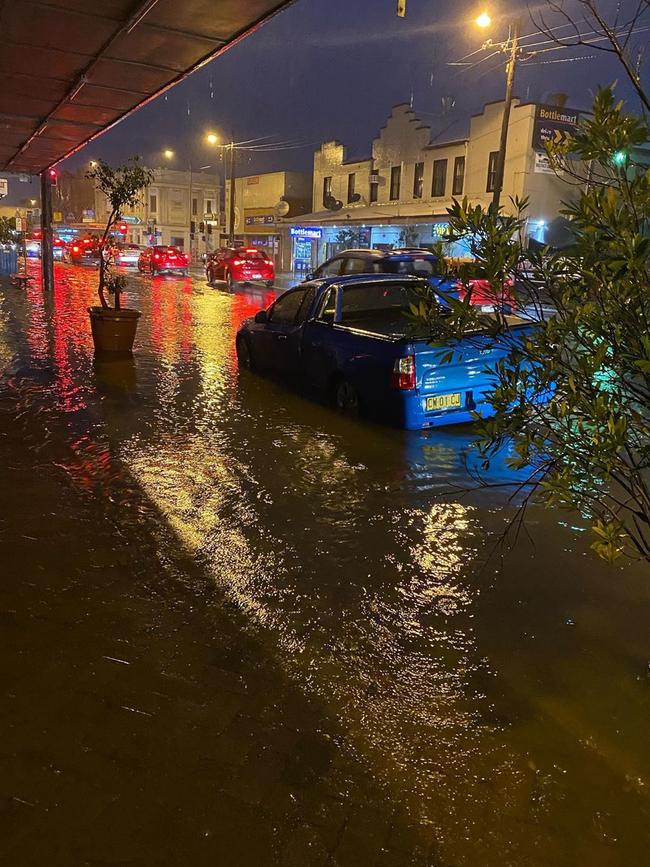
(125, 255)
(419, 262)
(83, 250)
(33, 247)
(350, 337)
(161, 259)
(234, 265)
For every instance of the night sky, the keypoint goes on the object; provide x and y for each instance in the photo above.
(326, 69)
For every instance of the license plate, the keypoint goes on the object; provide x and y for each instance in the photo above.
(444, 401)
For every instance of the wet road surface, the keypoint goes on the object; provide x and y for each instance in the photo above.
(241, 629)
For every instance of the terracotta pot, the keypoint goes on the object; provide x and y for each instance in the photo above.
(113, 330)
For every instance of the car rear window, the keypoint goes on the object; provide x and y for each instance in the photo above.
(420, 266)
(359, 302)
(252, 254)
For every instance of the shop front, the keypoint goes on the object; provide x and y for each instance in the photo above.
(305, 242)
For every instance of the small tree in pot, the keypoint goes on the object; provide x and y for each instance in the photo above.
(114, 329)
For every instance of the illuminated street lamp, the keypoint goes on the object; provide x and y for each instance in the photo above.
(169, 154)
(213, 139)
(483, 21)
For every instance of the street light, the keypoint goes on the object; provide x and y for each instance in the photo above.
(213, 139)
(169, 154)
(483, 21)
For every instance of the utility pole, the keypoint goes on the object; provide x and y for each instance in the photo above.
(503, 143)
(47, 255)
(231, 233)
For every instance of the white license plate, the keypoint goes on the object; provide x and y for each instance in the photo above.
(444, 401)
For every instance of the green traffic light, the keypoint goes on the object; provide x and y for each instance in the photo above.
(619, 158)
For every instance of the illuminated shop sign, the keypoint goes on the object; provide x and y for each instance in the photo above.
(306, 232)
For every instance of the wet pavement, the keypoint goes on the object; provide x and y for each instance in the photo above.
(241, 629)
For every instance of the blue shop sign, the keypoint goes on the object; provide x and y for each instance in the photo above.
(312, 234)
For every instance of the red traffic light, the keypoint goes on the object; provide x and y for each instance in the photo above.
(123, 228)
(52, 175)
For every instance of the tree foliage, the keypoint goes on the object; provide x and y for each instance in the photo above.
(122, 187)
(572, 393)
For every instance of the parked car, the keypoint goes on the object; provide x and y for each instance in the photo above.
(83, 251)
(349, 337)
(235, 265)
(33, 247)
(419, 262)
(476, 284)
(161, 259)
(126, 255)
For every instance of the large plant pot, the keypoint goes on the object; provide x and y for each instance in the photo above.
(113, 330)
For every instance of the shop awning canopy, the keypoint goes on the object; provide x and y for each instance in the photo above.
(391, 213)
(71, 69)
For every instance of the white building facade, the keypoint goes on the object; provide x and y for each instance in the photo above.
(178, 208)
(399, 195)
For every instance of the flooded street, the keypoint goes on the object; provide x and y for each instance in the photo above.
(240, 628)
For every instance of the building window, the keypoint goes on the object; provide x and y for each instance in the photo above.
(351, 184)
(195, 207)
(208, 206)
(418, 181)
(374, 190)
(327, 190)
(492, 172)
(153, 203)
(395, 181)
(439, 181)
(459, 176)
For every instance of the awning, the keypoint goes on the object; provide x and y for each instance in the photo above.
(71, 69)
(392, 213)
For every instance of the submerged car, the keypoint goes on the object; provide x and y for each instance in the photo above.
(83, 251)
(351, 338)
(235, 265)
(162, 259)
(419, 262)
(126, 255)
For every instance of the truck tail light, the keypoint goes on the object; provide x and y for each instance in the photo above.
(403, 374)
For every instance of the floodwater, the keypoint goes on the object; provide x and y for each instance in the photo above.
(498, 697)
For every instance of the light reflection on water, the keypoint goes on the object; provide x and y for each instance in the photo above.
(505, 700)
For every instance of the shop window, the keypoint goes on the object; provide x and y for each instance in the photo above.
(395, 182)
(459, 176)
(177, 242)
(492, 172)
(153, 203)
(439, 181)
(352, 178)
(327, 190)
(418, 181)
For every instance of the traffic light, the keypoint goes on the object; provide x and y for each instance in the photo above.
(123, 228)
(53, 175)
(619, 158)
(209, 228)
(201, 227)
(192, 227)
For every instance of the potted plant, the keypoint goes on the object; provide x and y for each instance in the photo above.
(114, 328)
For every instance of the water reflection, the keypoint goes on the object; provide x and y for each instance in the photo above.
(356, 549)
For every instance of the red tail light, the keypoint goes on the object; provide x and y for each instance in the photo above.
(239, 261)
(75, 249)
(403, 373)
(156, 255)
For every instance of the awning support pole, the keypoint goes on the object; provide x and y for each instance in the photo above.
(47, 246)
